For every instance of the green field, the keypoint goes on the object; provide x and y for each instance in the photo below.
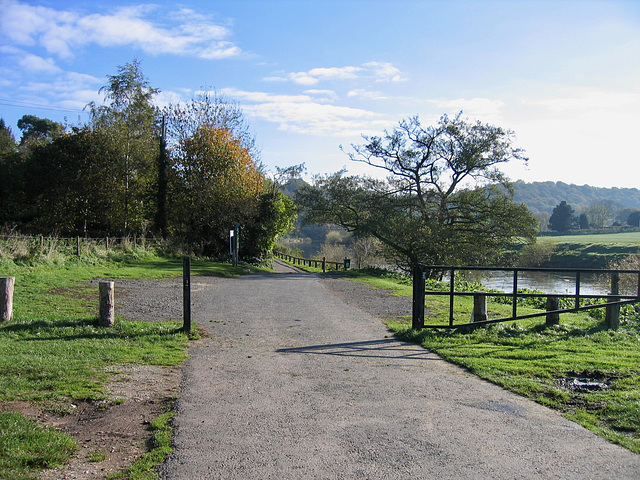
(626, 238)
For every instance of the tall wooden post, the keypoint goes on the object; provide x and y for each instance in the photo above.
(186, 294)
(6, 298)
(417, 316)
(107, 304)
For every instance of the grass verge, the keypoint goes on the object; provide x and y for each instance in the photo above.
(53, 352)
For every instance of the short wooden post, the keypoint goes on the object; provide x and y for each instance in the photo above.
(186, 294)
(77, 246)
(324, 264)
(553, 317)
(6, 298)
(107, 304)
(479, 313)
(612, 312)
(106, 243)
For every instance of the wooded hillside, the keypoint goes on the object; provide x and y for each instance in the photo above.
(544, 196)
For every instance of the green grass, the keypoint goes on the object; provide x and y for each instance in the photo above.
(545, 364)
(625, 238)
(53, 351)
(27, 447)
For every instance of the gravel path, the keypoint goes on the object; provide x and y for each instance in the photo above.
(296, 383)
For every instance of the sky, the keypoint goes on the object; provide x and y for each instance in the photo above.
(314, 75)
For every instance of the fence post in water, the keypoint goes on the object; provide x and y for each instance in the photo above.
(417, 317)
(107, 304)
(479, 313)
(553, 317)
(6, 298)
(612, 313)
(186, 294)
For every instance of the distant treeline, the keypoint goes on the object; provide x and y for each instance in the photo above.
(542, 197)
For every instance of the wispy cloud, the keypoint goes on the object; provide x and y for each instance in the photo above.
(60, 32)
(378, 71)
(305, 114)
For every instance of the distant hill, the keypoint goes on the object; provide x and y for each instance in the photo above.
(544, 196)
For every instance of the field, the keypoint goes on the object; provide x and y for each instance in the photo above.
(626, 238)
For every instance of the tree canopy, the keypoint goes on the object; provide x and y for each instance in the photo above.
(562, 218)
(443, 202)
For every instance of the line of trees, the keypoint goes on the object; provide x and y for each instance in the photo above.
(599, 215)
(189, 171)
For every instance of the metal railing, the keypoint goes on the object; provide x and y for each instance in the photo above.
(612, 301)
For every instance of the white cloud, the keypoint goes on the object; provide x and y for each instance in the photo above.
(484, 109)
(35, 64)
(385, 72)
(378, 71)
(60, 32)
(305, 114)
(367, 94)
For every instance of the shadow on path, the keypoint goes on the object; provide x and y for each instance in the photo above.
(388, 348)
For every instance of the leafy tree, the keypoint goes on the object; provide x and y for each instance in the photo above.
(7, 140)
(562, 218)
(129, 120)
(69, 185)
(583, 221)
(634, 218)
(38, 130)
(216, 184)
(444, 202)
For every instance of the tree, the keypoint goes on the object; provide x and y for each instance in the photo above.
(215, 184)
(634, 218)
(583, 221)
(130, 121)
(69, 185)
(444, 202)
(38, 130)
(562, 218)
(7, 140)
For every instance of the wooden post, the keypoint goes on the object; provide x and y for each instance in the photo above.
(186, 294)
(553, 303)
(417, 316)
(77, 246)
(479, 313)
(324, 264)
(6, 298)
(612, 312)
(107, 304)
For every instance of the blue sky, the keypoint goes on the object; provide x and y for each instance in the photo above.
(314, 75)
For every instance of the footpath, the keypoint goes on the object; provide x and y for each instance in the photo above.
(293, 383)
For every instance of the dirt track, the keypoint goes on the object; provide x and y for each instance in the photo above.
(295, 383)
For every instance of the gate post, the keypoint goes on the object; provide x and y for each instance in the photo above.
(417, 321)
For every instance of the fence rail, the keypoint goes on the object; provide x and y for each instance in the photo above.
(75, 244)
(324, 263)
(612, 303)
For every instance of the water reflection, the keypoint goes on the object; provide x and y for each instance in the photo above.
(559, 283)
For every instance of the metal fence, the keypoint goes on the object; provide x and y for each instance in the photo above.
(611, 301)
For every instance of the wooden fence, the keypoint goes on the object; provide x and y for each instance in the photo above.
(324, 263)
(74, 245)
